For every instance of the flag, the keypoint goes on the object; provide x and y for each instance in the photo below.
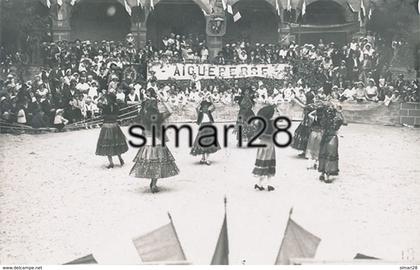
(89, 259)
(289, 6)
(160, 245)
(360, 256)
(138, 3)
(351, 7)
(73, 2)
(221, 253)
(224, 4)
(152, 5)
(303, 8)
(278, 8)
(418, 6)
(60, 2)
(229, 9)
(370, 13)
(297, 243)
(362, 9)
(48, 2)
(237, 16)
(127, 7)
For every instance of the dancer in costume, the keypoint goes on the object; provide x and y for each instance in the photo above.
(209, 145)
(328, 154)
(314, 140)
(154, 161)
(112, 141)
(301, 135)
(265, 163)
(246, 102)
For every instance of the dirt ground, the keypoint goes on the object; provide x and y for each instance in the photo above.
(58, 202)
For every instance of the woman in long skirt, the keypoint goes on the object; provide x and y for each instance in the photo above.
(111, 141)
(244, 130)
(328, 154)
(154, 161)
(303, 131)
(265, 163)
(209, 144)
(314, 140)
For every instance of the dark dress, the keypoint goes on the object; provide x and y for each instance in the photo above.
(328, 153)
(245, 113)
(301, 135)
(206, 128)
(112, 141)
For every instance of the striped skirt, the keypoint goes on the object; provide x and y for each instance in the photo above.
(314, 143)
(265, 164)
(328, 155)
(111, 141)
(154, 162)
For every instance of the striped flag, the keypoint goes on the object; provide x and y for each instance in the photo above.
(224, 4)
(221, 253)
(160, 245)
(351, 7)
(297, 243)
(127, 7)
(418, 6)
(303, 8)
(237, 16)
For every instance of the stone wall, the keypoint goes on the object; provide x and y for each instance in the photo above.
(368, 113)
(410, 114)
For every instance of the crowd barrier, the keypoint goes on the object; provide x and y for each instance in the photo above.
(407, 114)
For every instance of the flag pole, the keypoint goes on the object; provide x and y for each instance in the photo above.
(176, 235)
(284, 233)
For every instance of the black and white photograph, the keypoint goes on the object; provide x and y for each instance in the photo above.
(146, 133)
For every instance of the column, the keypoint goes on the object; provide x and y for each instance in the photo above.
(61, 29)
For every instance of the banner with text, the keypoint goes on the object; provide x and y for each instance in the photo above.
(209, 71)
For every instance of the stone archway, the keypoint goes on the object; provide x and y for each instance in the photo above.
(324, 12)
(182, 17)
(258, 23)
(99, 20)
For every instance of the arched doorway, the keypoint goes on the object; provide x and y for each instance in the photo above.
(327, 22)
(99, 20)
(324, 12)
(181, 17)
(258, 23)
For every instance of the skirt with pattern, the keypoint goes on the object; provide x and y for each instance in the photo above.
(111, 141)
(328, 155)
(154, 162)
(213, 143)
(314, 143)
(265, 164)
(301, 137)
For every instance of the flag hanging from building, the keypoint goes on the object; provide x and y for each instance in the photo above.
(160, 245)
(303, 8)
(127, 7)
(73, 2)
(138, 3)
(289, 5)
(60, 2)
(152, 4)
(48, 3)
(297, 243)
(418, 6)
(351, 7)
(221, 253)
(89, 259)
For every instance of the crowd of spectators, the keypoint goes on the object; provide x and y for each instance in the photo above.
(76, 75)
